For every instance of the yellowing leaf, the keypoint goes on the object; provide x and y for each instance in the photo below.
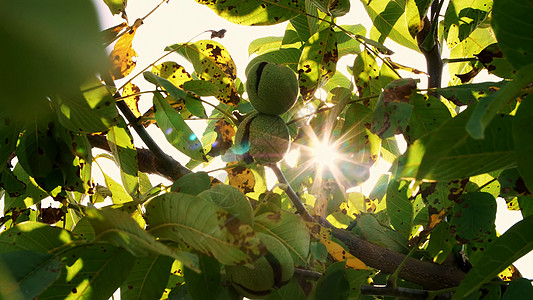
(242, 178)
(340, 254)
(510, 273)
(122, 56)
(213, 63)
(436, 219)
(224, 140)
(133, 101)
(173, 72)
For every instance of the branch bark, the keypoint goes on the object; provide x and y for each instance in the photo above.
(148, 162)
(428, 43)
(429, 275)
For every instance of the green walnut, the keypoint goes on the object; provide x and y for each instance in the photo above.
(273, 270)
(272, 88)
(263, 138)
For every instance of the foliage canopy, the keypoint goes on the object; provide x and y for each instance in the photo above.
(425, 230)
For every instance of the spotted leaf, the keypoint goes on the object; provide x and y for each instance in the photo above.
(122, 55)
(318, 61)
(213, 63)
(203, 226)
(255, 12)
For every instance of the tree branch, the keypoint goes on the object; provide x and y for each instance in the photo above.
(163, 163)
(428, 43)
(148, 162)
(429, 275)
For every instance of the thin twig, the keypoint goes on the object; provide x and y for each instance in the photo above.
(153, 10)
(458, 60)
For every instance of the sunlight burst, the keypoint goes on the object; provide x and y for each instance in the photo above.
(325, 154)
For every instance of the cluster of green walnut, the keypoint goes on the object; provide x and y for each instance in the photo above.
(263, 136)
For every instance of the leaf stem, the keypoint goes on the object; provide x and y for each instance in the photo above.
(153, 10)
(458, 60)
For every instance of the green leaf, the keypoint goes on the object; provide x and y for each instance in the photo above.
(193, 104)
(265, 44)
(92, 271)
(207, 283)
(11, 184)
(147, 279)
(489, 107)
(369, 228)
(91, 109)
(462, 18)
(392, 111)
(466, 94)
(58, 51)
(116, 6)
(333, 284)
(428, 114)
(255, 12)
(125, 154)
(345, 43)
(32, 193)
(523, 140)
(33, 272)
(288, 229)
(397, 19)
(291, 290)
(518, 289)
(119, 229)
(473, 217)
(441, 196)
(9, 134)
(480, 38)
(192, 183)
(510, 246)
(203, 226)
(84, 229)
(494, 61)
(318, 61)
(177, 132)
(306, 24)
(512, 24)
(440, 242)
(450, 152)
(118, 194)
(366, 74)
(232, 200)
(213, 63)
(36, 237)
(288, 57)
(399, 207)
(338, 80)
(201, 88)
